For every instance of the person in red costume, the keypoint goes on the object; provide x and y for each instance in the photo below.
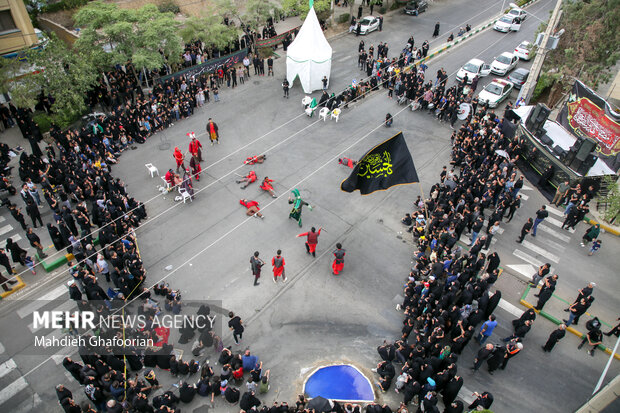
(266, 186)
(278, 267)
(312, 241)
(338, 263)
(196, 169)
(255, 159)
(347, 162)
(247, 180)
(178, 157)
(252, 206)
(195, 147)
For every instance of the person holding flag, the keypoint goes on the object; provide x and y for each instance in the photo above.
(386, 165)
(338, 263)
(312, 241)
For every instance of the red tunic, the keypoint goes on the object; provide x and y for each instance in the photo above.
(249, 204)
(338, 263)
(278, 266)
(313, 239)
(251, 177)
(266, 185)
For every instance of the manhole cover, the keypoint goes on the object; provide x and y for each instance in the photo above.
(256, 82)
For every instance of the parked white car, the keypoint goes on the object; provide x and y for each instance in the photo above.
(475, 67)
(368, 24)
(517, 12)
(504, 63)
(495, 92)
(525, 50)
(507, 24)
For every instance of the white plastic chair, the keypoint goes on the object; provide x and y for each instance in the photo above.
(152, 169)
(306, 101)
(310, 111)
(185, 195)
(336, 114)
(166, 183)
(323, 114)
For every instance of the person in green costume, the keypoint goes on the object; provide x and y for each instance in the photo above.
(298, 204)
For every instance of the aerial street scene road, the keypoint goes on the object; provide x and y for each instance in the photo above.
(306, 206)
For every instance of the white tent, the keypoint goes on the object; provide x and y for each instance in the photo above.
(309, 56)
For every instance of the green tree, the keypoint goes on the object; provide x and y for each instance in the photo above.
(210, 29)
(257, 12)
(15, 79)
(145, 36)
(67, 75)
(301, 8)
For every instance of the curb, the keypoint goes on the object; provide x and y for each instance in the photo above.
(59, 261)
(603, 226)
(20, 284)
(554, 320)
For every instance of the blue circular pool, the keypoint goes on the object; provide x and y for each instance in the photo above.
(340, 382)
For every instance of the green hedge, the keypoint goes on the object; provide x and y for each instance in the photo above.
(396, 5)
(43, 120)
(169, 6)
(344, 18)
(64, 5)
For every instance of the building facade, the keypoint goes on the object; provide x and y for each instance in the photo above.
(16, 31)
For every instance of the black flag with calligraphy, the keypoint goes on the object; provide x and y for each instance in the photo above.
(384, 166)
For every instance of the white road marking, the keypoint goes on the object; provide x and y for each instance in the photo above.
(526, 270)
(541, 251)
(552, 244)
(7, 367)
(558, 223)
(15, 238)
(555, 211)
(527, 188)
(553, 232)
(525, 197)
(41, 301)
(466, 395)
(66, 306)
(1, 348)
(342, 59)
(2, 219)
(527, 258)
(60, 355)
(12, 389)
(6, 229)
(29, 405)
(512, 309)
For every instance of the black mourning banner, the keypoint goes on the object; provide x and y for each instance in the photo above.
(384, 166)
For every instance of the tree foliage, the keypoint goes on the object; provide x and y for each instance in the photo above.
(302, 7)
(210, 29)
(591, 40)
(14, 81)
(66, 74)
(146, 36)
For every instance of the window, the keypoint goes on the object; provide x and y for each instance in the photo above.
(6, 21)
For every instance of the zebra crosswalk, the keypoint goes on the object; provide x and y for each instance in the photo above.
(547, 247)
(16, 393)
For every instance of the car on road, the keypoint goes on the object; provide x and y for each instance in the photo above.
(475, 67)
(504, 63)
(519, 77)
(368, 24)
(413, 8)
(517, 12)
(495, 92)
(525, 50)
(507, 24)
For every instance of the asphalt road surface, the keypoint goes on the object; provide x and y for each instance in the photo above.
(316, 318)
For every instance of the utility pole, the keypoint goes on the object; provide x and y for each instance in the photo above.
(528, 88)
